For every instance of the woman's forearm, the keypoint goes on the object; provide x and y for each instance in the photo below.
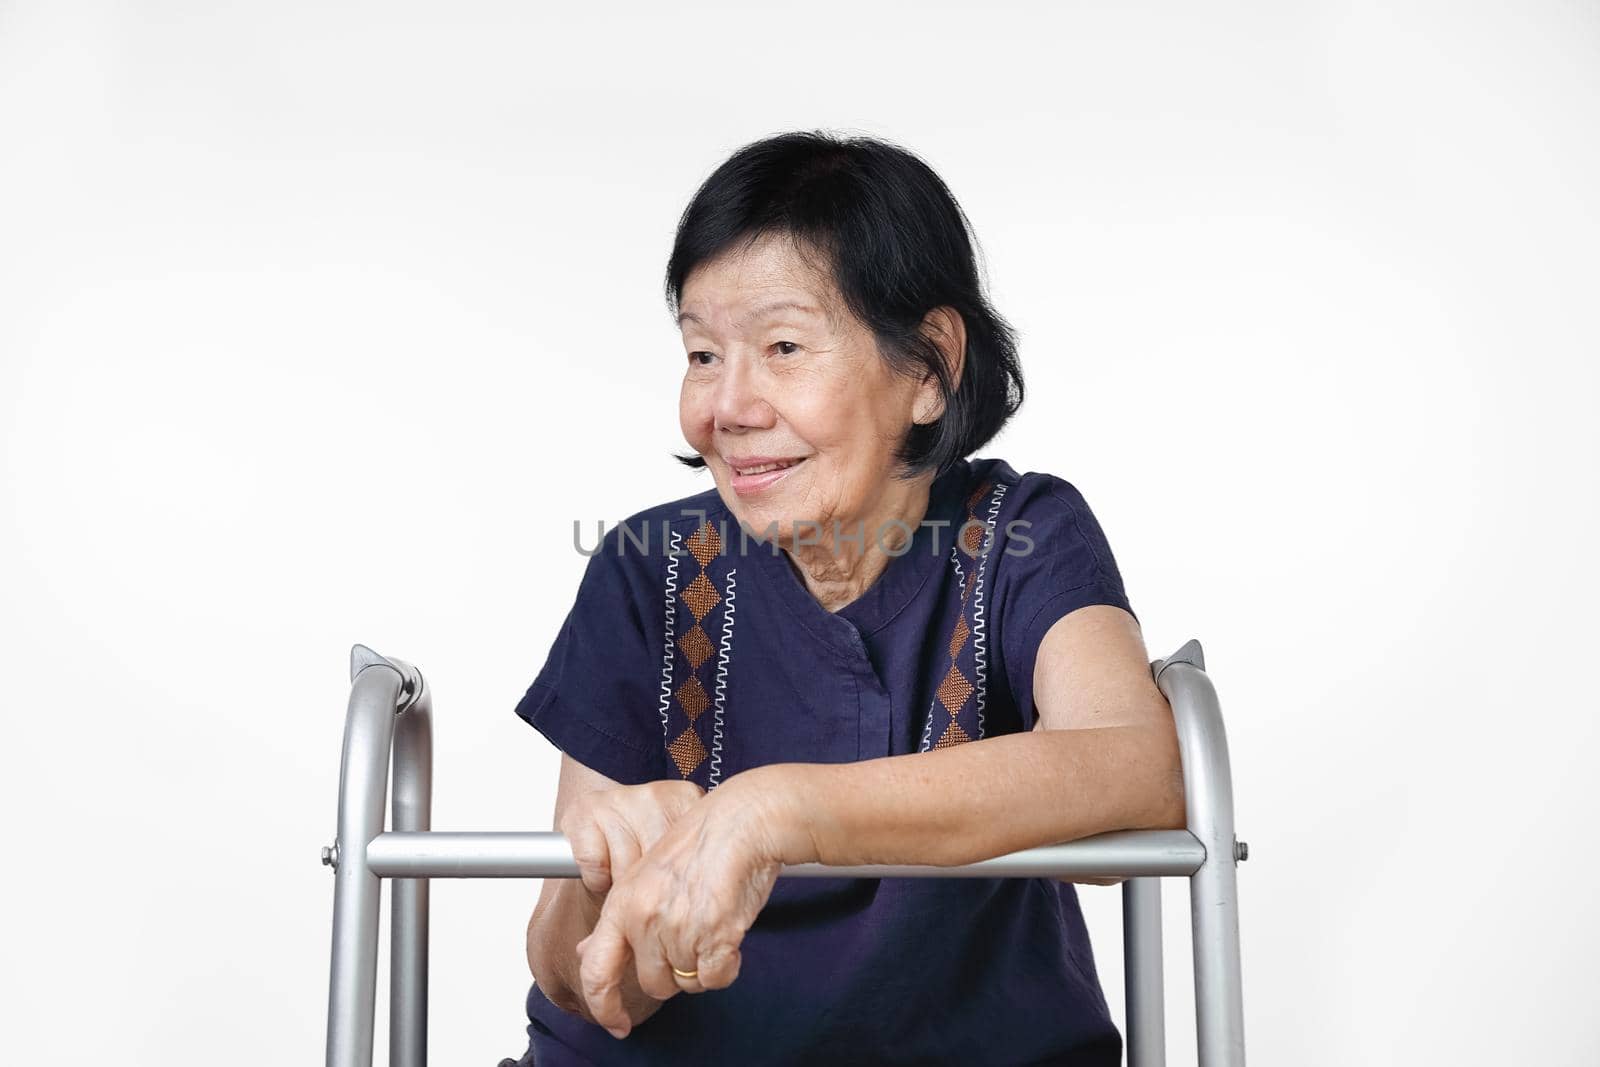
(975, 800)
(563, 917)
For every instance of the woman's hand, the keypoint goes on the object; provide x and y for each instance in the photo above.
(609, 829)
(688, 901)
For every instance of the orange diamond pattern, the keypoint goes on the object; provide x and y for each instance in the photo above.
(954, 690)
(953, 735)
(687, 751)
(705, 544)
(696, 646)
(701, 596)
(692, 696)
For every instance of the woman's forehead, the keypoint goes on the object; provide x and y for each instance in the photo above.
(744, 287)
(746, 310)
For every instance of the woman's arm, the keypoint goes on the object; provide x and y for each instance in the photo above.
(1103, 756)
(564, 915)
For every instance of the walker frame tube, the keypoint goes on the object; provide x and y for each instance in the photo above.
(390, 713)
(1143, 980)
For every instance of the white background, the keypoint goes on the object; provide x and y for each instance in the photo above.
(320, 325)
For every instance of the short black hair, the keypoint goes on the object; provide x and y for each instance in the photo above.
(897, 245)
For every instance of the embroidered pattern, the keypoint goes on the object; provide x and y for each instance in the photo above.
(667, 657)
(699, 625)
(683, 706)
(723, 656)
(956, 711)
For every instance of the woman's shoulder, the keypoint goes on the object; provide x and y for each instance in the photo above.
(1043, 528)
(1049, 557)
(997, 470)
(1026, 496)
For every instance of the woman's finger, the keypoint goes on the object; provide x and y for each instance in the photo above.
(641, 920)
(719, 966)
(655, 969)
(592, 852)
(683, 962)
(605, 954)
(622, 847)
(677, 933)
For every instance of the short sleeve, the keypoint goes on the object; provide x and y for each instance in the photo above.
(1055, 560)
(595, 698)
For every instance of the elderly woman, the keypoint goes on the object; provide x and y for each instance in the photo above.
(859, 647)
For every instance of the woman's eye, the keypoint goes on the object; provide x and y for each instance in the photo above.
(694, 358)
(792, 347)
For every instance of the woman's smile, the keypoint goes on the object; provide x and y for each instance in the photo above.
(749, 475)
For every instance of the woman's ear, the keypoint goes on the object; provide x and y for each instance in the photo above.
(945, 327)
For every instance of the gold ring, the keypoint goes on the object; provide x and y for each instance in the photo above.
(684, 974)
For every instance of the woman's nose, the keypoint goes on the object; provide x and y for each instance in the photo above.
(740, 401)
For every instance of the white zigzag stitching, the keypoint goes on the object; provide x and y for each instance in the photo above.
(723, 655)
(666, 655)
(980, 647)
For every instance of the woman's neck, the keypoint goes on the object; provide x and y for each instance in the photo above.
(837, 570)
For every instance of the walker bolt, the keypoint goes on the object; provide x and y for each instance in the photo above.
(1241, 850)
(330, 856)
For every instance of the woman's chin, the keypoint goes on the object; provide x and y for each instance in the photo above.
(758, 521)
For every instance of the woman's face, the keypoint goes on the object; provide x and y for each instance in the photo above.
(778, 369)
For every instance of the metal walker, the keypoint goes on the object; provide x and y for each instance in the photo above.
(390, 716)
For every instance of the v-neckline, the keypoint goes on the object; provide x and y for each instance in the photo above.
(902, 578)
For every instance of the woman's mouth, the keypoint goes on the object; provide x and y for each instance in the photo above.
(755, 477)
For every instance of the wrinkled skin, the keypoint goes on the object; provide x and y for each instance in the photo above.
(687, 902)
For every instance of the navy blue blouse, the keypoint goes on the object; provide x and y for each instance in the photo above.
(695, 651)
